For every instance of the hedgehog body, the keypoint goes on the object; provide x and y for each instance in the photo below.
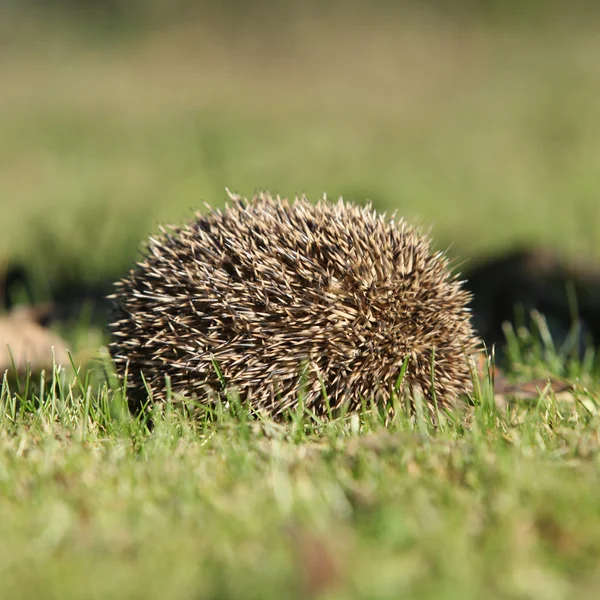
(281, 299)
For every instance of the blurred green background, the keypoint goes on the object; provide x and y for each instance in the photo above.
(481, 120)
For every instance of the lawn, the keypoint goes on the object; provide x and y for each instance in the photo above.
(488, 130)
(492, 503)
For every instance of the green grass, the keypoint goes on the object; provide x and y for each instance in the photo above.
(487, 130)
(492, 502)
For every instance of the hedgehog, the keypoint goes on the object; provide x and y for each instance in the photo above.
(285, 301)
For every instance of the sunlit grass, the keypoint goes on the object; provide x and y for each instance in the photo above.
(488, 133)
(495, 500)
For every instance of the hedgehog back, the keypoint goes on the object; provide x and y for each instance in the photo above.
(277, 298)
